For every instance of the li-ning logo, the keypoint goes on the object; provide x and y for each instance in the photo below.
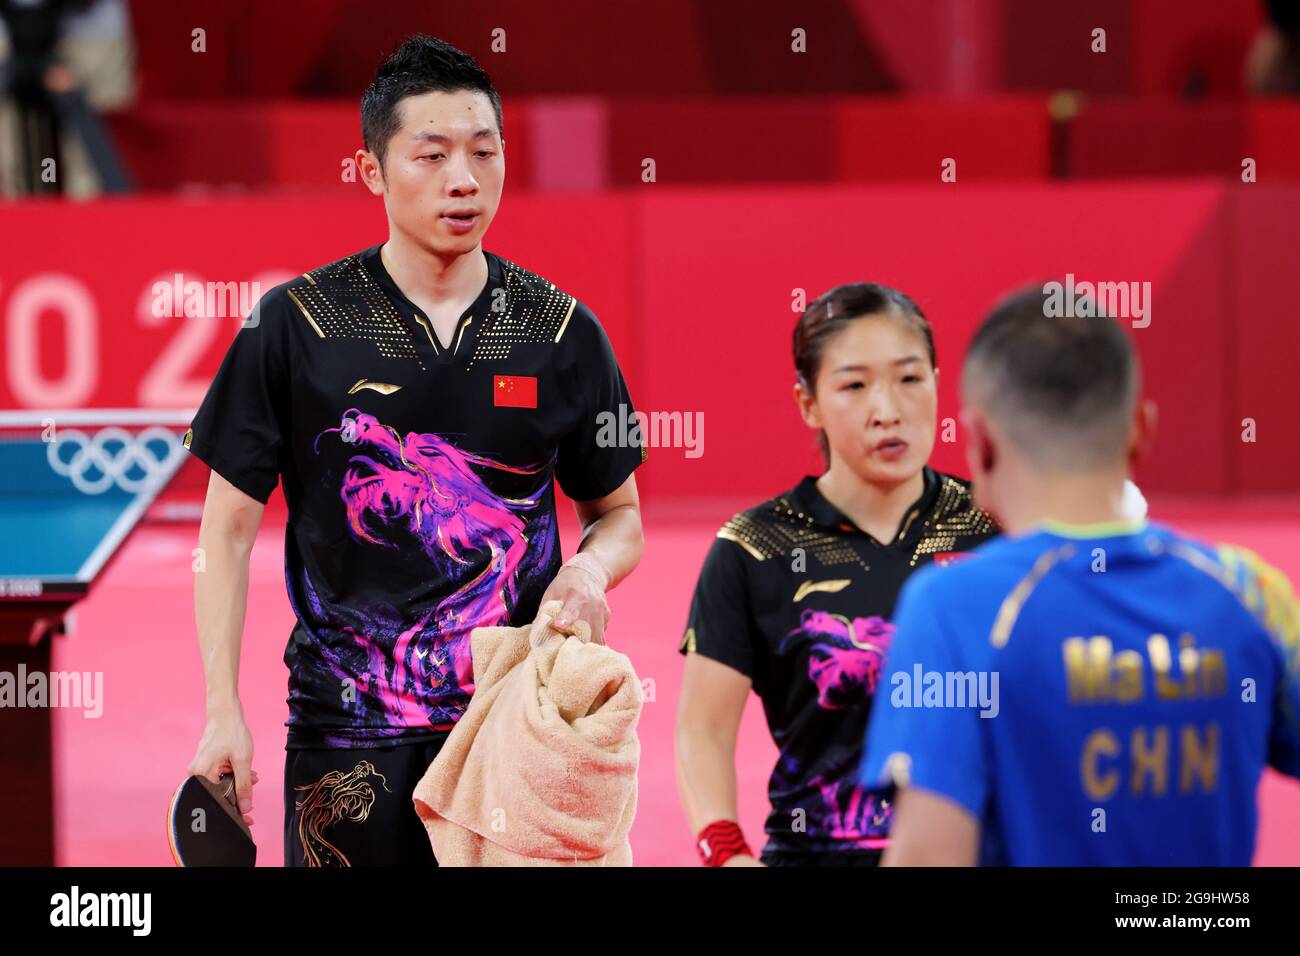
(113, 457)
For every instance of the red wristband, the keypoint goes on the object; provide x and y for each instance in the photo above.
(720, 841)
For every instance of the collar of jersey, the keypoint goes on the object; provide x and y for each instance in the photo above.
(813, 503)
(1100, 529)
(374, 264)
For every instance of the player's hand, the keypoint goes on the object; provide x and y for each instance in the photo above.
(227, 747)
(743, 860)
(583, 600)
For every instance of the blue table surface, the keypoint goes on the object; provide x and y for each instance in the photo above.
(49, 529)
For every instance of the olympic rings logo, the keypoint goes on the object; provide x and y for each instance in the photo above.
(114, 457)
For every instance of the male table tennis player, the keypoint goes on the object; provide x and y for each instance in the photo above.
(1085, 690)
(416, 400)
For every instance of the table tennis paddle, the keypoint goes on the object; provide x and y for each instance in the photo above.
(204, 826)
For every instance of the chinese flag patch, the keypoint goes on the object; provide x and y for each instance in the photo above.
(514, 391)
(945, 558)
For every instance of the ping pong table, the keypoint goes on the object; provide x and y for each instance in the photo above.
(73, 485)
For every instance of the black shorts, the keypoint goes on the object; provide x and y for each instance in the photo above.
(829, 858)
(353, 807)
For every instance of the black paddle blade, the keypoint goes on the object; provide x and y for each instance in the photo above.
(204, 827)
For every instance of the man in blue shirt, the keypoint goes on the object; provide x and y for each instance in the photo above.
(1083, 690)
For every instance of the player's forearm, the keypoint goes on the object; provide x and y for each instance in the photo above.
(616, 540)
(915, 853)
(931, 830)
(706, 777)
(220, 603)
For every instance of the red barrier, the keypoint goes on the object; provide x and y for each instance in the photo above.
(288, 145)
(1275, 139)
(696, 289)
(990, 138)
(1126, 138)
(693, 141)
(708, 140)
(585, 145)
(1114, 138)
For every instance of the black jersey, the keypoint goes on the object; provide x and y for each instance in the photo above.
(799, 599)
(418, 477)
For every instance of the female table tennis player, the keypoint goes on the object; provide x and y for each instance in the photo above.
(796, 594)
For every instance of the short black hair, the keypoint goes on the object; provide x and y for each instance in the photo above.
(422, 64)
(1062, 387)
(833, 310)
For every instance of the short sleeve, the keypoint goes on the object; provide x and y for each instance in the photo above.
(1282, 622)
(238, 431)
(1266, 593)
(720, 624)
(1284, 745)
(605, 446)
(940, 749)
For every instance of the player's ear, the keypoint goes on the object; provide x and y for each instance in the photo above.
(1145, 418)
(980, 450)
(807, 403)
(370, 171)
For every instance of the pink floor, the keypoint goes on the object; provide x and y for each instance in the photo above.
(114, 774)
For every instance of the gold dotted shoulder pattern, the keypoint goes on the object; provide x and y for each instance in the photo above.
(953, 517)
(532, 310)
(775, 529)
(341, 300)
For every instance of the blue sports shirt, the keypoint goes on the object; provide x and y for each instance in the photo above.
(1093, 696)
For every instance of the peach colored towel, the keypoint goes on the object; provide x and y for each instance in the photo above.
(541, 769)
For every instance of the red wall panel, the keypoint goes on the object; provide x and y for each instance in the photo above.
(726, 349)
(1158, 137)
(286, 145)
(1274, 139)
(709, 140)
(80, 276)
(695, 289)
(992, 138)
(1260, 325)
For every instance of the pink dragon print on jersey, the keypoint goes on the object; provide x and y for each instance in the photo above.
(845, 655)
(420, 490)
(845, 660)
